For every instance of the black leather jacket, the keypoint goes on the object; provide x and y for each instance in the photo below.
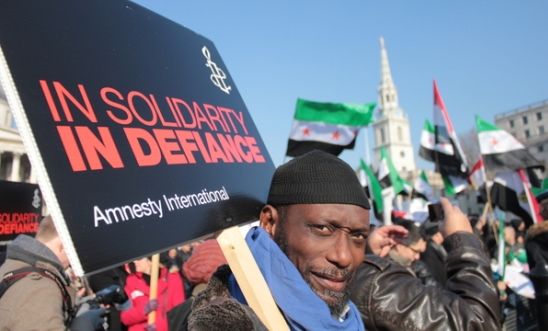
(389, 297)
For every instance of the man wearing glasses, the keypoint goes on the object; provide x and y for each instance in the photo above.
(391, 297)
(408, 249)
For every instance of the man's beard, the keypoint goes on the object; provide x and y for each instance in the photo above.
(340, 299)
(337, 306)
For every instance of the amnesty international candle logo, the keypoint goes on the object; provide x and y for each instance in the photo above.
(218, 76)
(36, 200)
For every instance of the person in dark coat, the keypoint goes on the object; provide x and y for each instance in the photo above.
(313, 232)
(40, 296)
(536, 245)
(390, 297)
(434, 256)
(102, 280)
(408, 249)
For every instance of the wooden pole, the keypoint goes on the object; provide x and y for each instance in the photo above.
(489, 206)
(491, 225)
(250, 279)
(153, 294)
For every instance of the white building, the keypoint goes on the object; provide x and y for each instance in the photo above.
(391, 126)
(14, 162)
(529, 124)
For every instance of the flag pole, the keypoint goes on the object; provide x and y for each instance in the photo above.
(487, 188)
(488, 193)
(369, 185)
(153, 294)
(501, 268)
(368, 161)
(366, 146)
(437, 161)
(491, 225)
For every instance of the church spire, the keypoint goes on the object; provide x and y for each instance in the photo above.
(391, 125)
(388, 95)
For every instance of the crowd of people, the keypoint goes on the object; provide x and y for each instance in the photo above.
(325, 265)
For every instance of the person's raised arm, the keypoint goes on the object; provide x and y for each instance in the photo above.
(381, 239)
(390, 297)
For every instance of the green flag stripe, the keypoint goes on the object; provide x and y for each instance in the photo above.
(423, 177)
(448, 186)
(398, 183)
(335, 113)
(428, 127)
(482, 125)
(376, 188)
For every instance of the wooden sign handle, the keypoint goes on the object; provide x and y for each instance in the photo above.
(250, 279)
(153, 293)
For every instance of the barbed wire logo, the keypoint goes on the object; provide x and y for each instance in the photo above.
(218, 76)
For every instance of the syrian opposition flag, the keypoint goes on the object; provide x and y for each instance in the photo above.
(509, 193)
(330, 127)
(446, 151)
(374, 190)
(531, 199)
(428, 148)
(423, 189)
(449, 158)
(477, 175)
(428, 142)
(501, 150)
(389, 176)
(415, 210)
(453, 185)
(478, 180)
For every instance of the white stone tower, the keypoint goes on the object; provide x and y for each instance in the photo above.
(391, 126)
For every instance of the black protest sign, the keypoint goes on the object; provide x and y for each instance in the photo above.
(20, 210)
(145, 140)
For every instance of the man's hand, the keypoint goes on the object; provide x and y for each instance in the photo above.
(381, 239)
(90, 320)
(455, 220)
(481, 222)
(150, 306)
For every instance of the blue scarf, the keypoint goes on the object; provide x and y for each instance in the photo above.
(303, 309)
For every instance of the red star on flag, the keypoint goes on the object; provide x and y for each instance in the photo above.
(336, 135)
(306, 132)
(494, 141)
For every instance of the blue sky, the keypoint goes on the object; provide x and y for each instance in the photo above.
(488, 57)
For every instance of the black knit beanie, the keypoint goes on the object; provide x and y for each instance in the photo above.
(316, 178)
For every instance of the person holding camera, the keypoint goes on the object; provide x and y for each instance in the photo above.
(34, 290)
(408, 249)
(430, 269)
(390, 297)
(107, 279)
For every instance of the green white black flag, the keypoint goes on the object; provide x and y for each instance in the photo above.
(502, 150)
(331, 127)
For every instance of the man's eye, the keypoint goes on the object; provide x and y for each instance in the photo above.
(359, 235)
(321, 229)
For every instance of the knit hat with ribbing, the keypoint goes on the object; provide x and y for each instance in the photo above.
(316, 178)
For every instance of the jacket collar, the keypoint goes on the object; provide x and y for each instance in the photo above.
(537, 229)
(29, 250)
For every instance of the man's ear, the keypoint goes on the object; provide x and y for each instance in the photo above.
(56, 246)
(269, 219)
